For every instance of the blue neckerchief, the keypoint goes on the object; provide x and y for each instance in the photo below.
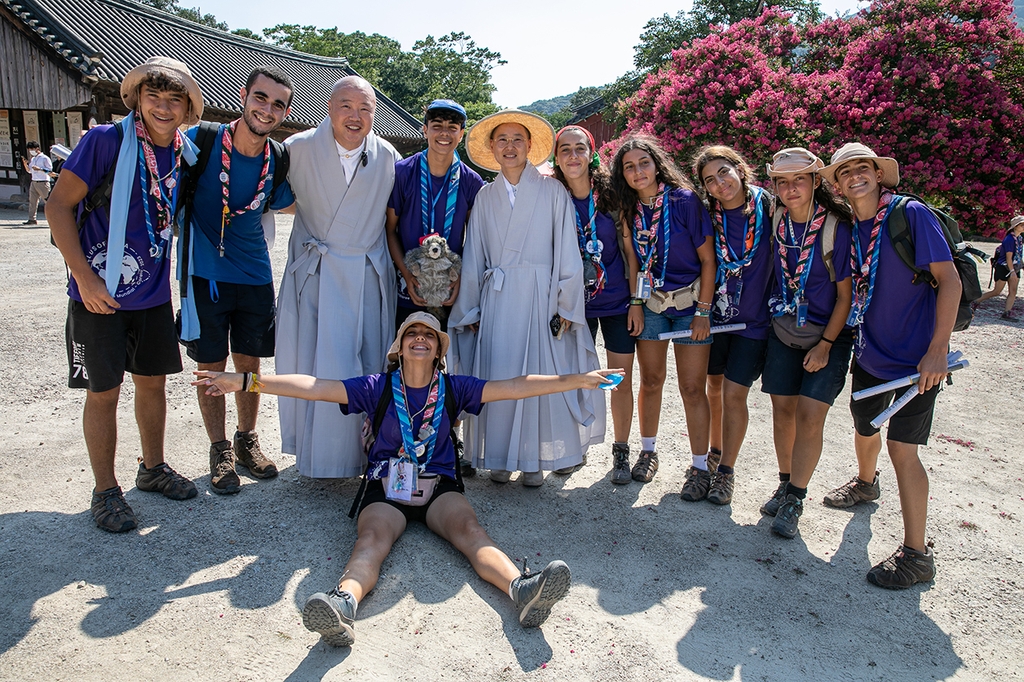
(581, 229)
(120, 199)
(405, 420)
(857, 311)
(427, 206)
(735, 265)
(157, 243)
(189, 315)
(789, 304)
(667, 232)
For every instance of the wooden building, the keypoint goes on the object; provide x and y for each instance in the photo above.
(590, 115)
(62, 62)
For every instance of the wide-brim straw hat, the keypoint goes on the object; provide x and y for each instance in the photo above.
(852, 151)
(175, 71)
(424, 319)
(1016, 220)
(478, 140)
(794, 160)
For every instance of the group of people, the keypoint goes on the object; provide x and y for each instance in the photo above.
(806, 275)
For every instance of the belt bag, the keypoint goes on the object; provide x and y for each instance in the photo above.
(680, 299)
(425, 485)
(804, 338)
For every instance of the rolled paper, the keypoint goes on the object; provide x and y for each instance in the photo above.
(686, 333)
(951, 359)
(901, 402)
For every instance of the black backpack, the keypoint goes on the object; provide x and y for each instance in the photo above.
(964, 255)
(386, 398)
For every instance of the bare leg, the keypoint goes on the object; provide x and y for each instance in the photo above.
(99, 420)
(996, 290)
(452, 517)
(867, 448)
(212, 407)
(247, 404)
(1011, 295)
(151, 416)
(715, 401)
(622, 397)
(809, 427)
(692, 368)
(784, 430)
(653, 359)
(913, 483)
(380, 525)
(735, 417)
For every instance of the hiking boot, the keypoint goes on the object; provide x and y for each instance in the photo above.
(535, 594)
(333, 615)
(645, 467)
(771, 507)
(854, 492)
(223, 479)
(714, 459)
(533, 479)
(1009, 316)
(164, 479)
(906, 567)
(111, 512)
(565, 471)
(620, 467)
(468, 471)
(721, 488)
(697, 484)
(248, 454)
(500, 475)
(788, 516)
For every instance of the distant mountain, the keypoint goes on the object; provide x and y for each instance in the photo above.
(549, 106)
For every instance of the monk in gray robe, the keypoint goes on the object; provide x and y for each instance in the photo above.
(336, 314)
(520, 308)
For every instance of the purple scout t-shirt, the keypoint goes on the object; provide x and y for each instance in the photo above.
(614, 297)
(145, 282)
(364, 394)
(690, 226)
(900, 318)
(820, 292)
(406, 202)
(753, 304)
(1008, 247)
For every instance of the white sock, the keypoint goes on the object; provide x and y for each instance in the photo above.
(647, 443)
(510, 595)
(700, 462)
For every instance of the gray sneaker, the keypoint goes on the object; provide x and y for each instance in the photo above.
(771, 507)
(721, 488)
(333, 615)
(906, 567)
(696, 486)
(111, 512)
(165, 480)
(854, 492)
(620, 467)
(788, 516)
(535, 594)
(223, 479)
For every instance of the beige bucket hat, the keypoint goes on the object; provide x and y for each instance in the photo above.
(1016, 220)
(176, 71)
(794, 160)
(478, 140)
(855, 150)
(424, 319)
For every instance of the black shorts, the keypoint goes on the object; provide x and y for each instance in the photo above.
(245, 312)
(910, 425)
(1002, 272)
(402, 313)
(102, 347)
(615, 329)
(375, 493)
(784, 372)
(740, 359)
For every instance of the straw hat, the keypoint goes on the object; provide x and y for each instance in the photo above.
(794, 160)
(424, 319)
(176, 71)
(478, 140)
(852, 151)
(1016, 220)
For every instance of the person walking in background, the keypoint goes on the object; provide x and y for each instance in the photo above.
(39, 167)
(1007, 266)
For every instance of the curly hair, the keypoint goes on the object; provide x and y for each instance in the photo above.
(721, 152)
(666, 171)
(600, 180)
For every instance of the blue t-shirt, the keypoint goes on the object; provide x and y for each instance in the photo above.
(690, 226)
(900, 318)
(756, 278)
(407, 204)
(364, 394)
(246, 257)
(145, 281)
(821, 292)
(614, 297)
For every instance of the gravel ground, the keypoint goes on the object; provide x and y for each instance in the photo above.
(211, 588)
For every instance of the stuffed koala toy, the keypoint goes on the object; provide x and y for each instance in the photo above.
(435, 267)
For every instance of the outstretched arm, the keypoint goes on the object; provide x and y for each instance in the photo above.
(543, 384)
(287, 385)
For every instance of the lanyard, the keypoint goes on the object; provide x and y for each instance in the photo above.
(226, 147)
(427, 205)
(591, 249)
(728, 262)
(865, 269)
(795, 282)
(163, 190)
(422, 450)
(645, 237)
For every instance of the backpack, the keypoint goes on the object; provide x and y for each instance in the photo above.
(964, 255)
(828, 240)
(374, 424)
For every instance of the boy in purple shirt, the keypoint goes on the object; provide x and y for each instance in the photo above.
(901, 328)
(122, 320)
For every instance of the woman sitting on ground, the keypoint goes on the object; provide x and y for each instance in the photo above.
(414, 478)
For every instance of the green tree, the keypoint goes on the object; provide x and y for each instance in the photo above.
(455, 67)
(193, 14)
(247, 33)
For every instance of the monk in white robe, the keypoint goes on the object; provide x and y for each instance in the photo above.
(521, 268)
(335, 316)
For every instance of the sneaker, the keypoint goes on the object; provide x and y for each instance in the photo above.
(721, 488)
(714, 459)
(533, 479)
(565, 471)
(34, 222)
(500, 475)
(111, 512)
(223, 479)
(535, 594)
(788, 516)
(164, 479)
(645, 467)
(1009, 316)
(248, 453)
(854, 492)
(771, 507)
(697, 484)
(906, 567)
(620, 467)
(332, 615)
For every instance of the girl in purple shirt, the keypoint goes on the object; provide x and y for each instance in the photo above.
(1007, 266)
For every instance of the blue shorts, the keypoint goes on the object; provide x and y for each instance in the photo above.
(784, 372)
(740, 359)
(615, 329)
(659, 323)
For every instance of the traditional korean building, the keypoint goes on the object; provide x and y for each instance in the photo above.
(62, 61)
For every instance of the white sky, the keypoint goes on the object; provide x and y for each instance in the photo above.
(552, 46)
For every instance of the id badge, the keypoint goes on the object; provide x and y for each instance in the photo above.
(401, 479)
(643, 286)
(801, 313)
(738, 292)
